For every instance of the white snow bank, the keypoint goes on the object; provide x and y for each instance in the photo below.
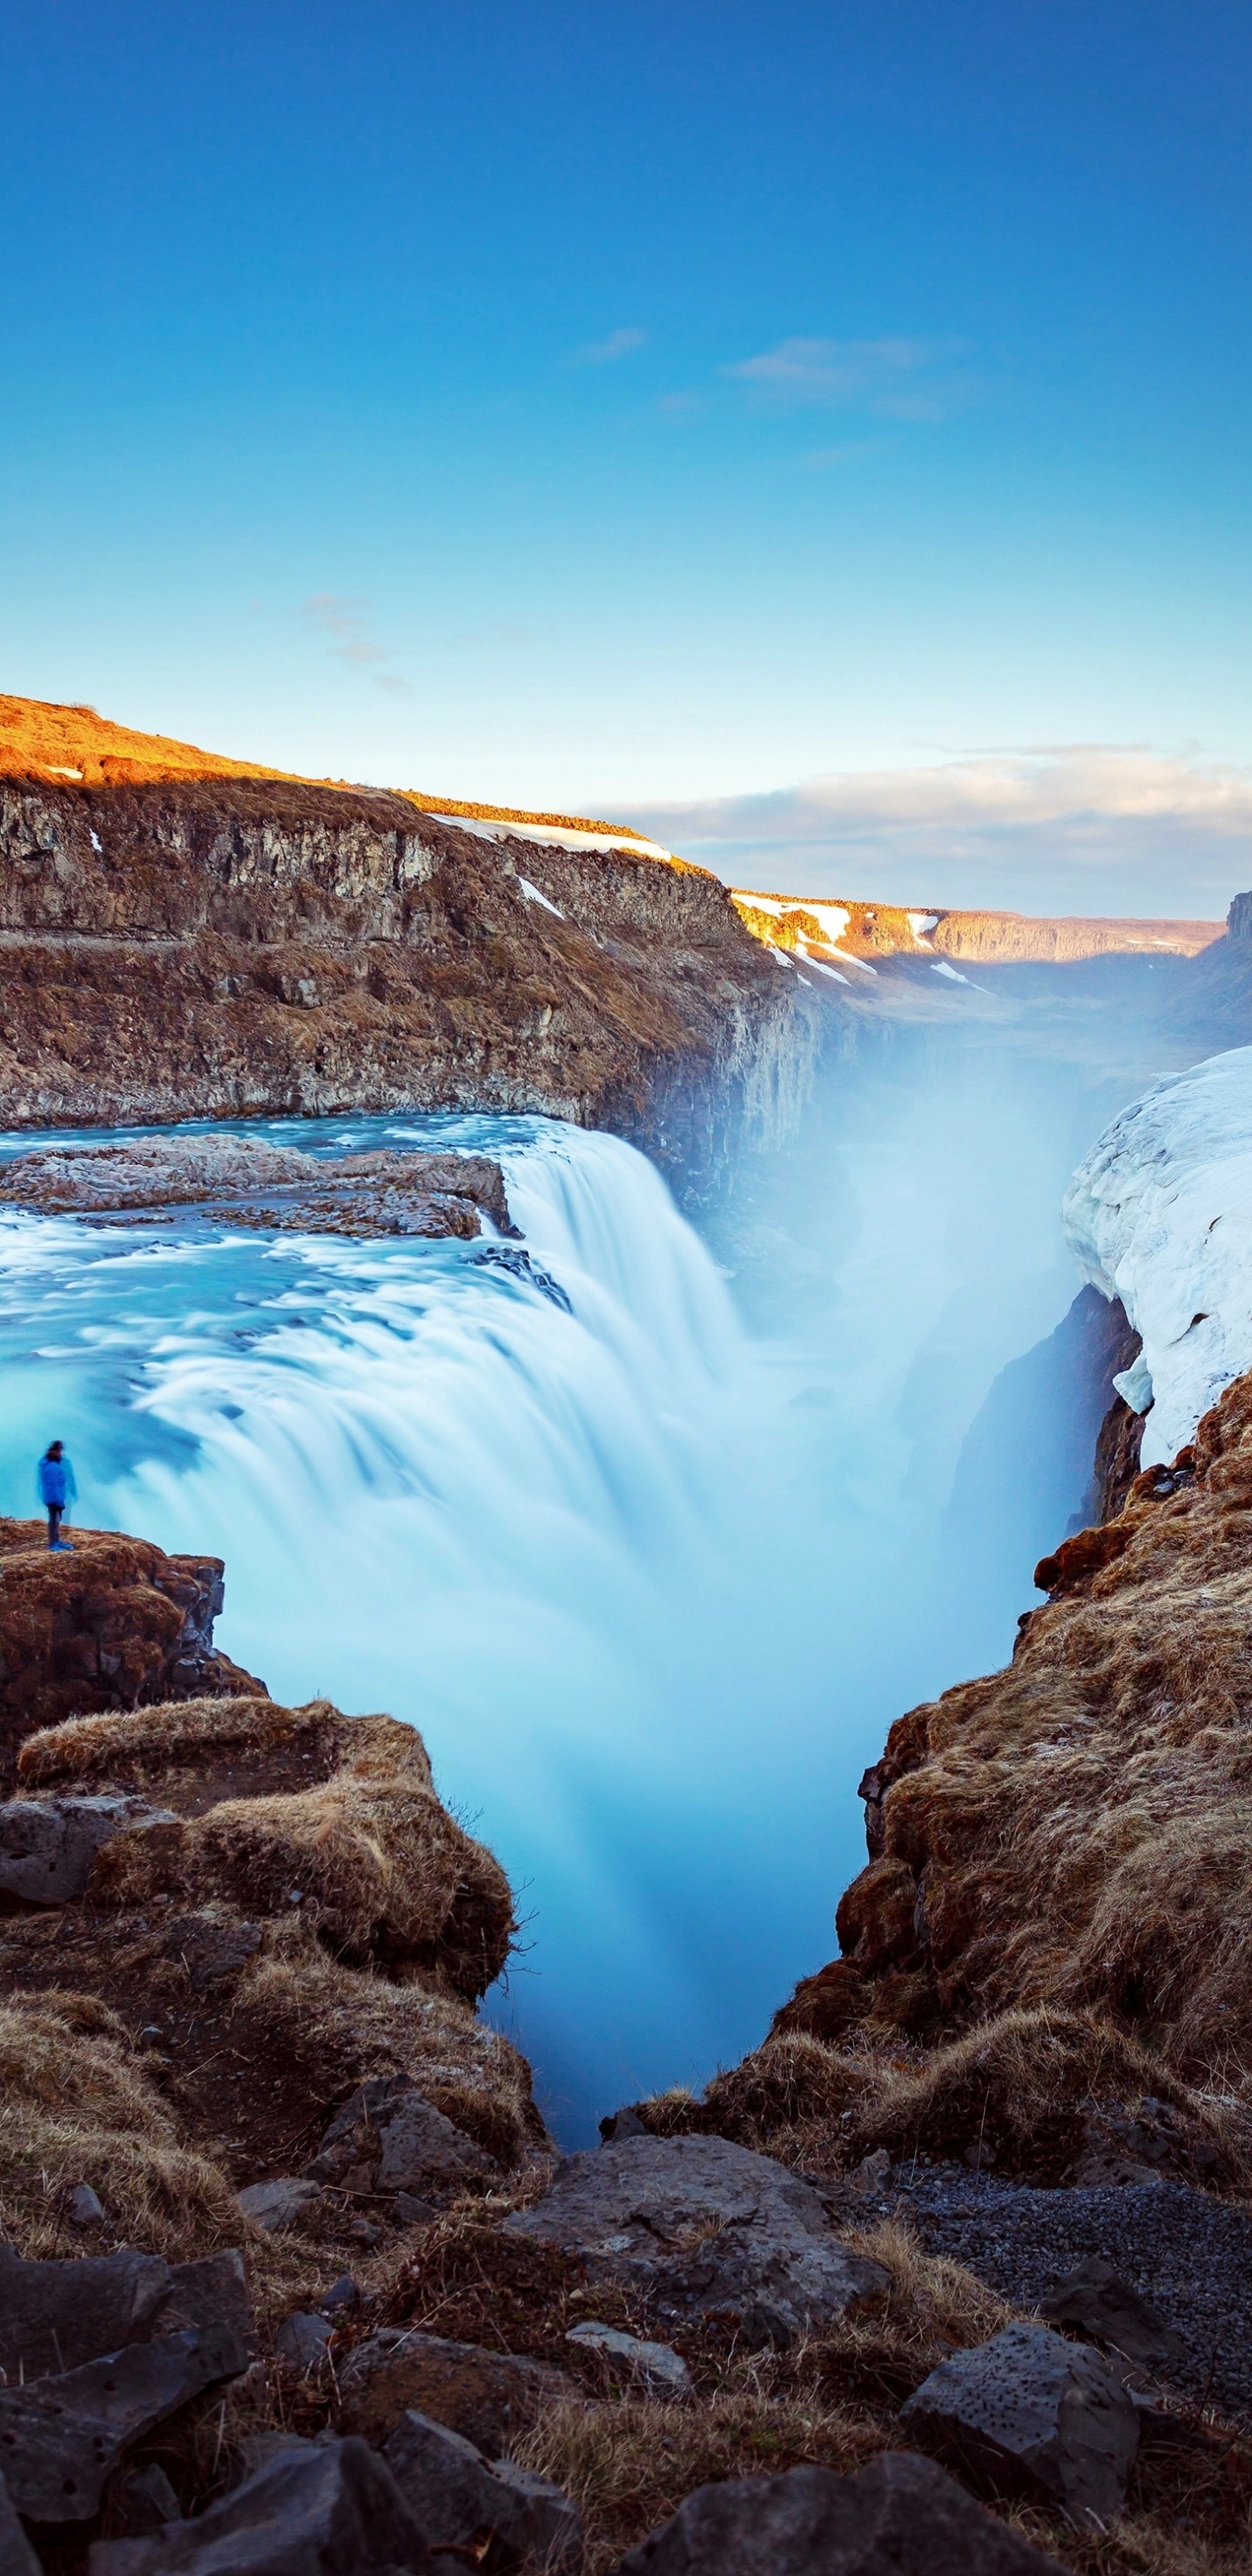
(949, 971)
(533, 895)
(921, 922)
(1160, 1214)
(549, 837)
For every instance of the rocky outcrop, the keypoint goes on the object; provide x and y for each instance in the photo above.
(248, 1182)
(116, 1625)
(225, 946)
(1073, 1832)
(877, 932)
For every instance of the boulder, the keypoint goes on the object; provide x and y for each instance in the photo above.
(901, 2516)
(1029, 2414)
(85, 2209)
(390, 2138)
(317, 2509)
(17, 2558)
(460, 2500)
(661, 2369)
(47, 1846)
(54, 2316)
(490, 2397)
(1096, 2304)
(702, 2227)
(271, 2205)
(60, 2437)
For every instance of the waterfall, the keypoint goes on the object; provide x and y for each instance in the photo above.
(559, 1513)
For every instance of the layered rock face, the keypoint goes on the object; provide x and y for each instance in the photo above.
(217, 946)
(872, 933)
(116, 1624)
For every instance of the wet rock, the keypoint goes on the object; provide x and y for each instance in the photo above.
(388, 2137)
(1029, 2414)
(60, 2437)
(303, 2340)
(320, 2509)
(48, 1846)
(458, 2498)
(86, 2209)
(657, 2364)
(1098, 2305)
(17, 2558)
(277, 2204)
(704, 2227)
(901, 2516)
(490, 2397)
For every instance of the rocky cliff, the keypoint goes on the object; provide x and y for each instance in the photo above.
(875, 932)
(204, 944)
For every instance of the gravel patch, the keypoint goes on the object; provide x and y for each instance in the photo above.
(1190, 2256)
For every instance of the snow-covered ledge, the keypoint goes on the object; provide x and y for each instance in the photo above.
(1160, 1215)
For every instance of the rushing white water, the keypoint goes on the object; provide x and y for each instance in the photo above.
(649, 1586)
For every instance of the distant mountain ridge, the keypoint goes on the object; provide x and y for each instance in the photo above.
(868, 932)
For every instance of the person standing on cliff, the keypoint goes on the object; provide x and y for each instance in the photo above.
(57, 1490)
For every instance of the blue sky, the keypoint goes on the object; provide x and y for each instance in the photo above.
(702, 413)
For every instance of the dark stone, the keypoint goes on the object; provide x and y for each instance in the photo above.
(621, 2124)
(17, 2558)
(323, 2509)
(458, 2498)
(344, 2293)
(141, 2500)
(277, 2204)
(490, 2397)
(901, 2516)
(303, 2341)
(1096, 2304)
(391, 2128)
(702, 2227)
(211, 2292)
(48, 1845)
(55, 2316)
(61, 2437)
(1029, 2414)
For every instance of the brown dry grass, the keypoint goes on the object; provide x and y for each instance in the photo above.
(147, 1744)
(315, 2009)
(75, 2107)
(387, 1874)
(1075, 1833)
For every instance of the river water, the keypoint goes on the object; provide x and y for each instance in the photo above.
(650, 1578)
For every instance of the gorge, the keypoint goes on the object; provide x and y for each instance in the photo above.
(645, 1483)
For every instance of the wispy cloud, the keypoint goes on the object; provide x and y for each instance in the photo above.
(331, 613)
(1085, 827)
(893, 379)
(602, 353)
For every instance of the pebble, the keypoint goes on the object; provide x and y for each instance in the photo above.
(1188, 2254)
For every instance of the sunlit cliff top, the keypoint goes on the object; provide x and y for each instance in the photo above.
(76, 746)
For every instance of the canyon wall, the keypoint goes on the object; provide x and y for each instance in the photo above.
(220, 946)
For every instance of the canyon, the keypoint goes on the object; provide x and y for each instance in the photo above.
(435, 1404)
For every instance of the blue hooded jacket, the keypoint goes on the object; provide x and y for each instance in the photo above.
(55, 1479)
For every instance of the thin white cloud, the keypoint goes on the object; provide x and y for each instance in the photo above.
(1083, 827)
(603, 353)
(331, 613)
(893, 378)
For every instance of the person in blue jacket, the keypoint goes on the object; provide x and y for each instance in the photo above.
(57, 1490)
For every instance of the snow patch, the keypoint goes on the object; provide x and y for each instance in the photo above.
(920, 923)
(533, 895)
(550, 837)
(949, 971)
(1159, 1213)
